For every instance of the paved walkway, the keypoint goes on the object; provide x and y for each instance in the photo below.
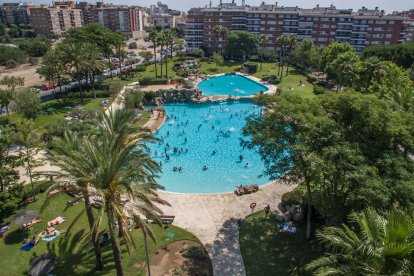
(213, 219)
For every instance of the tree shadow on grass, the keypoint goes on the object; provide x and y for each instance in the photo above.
(15, 237)
(267, 251)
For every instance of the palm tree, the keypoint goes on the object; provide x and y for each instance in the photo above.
(282, 41)
(74, 166)
(262, 39)
(94, 63)
(124, 169)
(402, 99)
(372, 68)
(292, 43)
(170, 38)
(73, 55)
(377, 245)
(153, 36)
(217, 31)
(161, 41)
(224, 32)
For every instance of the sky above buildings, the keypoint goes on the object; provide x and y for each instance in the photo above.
(387, 5)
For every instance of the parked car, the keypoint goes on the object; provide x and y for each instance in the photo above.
(64, 82)
(114, 59)
(48, 86)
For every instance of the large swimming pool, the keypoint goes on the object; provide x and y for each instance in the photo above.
(204, 141)
(235, 85)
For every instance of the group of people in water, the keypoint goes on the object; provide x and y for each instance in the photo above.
(174, 119)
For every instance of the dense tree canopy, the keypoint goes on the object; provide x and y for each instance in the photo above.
(402, 54)
(353, 148)
(241, 45)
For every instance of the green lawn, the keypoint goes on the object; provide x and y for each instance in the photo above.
(293, 81)
(73, 256)
(54, 110)
(266, 251)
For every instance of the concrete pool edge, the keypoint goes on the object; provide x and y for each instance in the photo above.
(222, 193)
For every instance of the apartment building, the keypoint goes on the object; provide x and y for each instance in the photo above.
(56, 19)
(408, 25)
(15, 13)
(323, 25)
(116, 18)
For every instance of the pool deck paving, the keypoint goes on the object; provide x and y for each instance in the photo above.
(213, 218)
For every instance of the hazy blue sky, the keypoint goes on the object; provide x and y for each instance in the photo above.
(387, 5)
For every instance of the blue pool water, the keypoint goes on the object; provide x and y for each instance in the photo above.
(216, 144)
(234, 85)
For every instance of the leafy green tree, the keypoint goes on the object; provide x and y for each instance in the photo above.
(9, 53)
(6, 96)
(11, 82)
(402, 54)
(394, 83)
(343, 70)
(372, 69)
(133, 98)
(332, 145)
(331, 52)
(241, 45)
(218, 59)
(132, 45)
(31, 145)
(27, 102)
(375, 244)
(305, 55)
(115, 87)
(52, 67)
(8, 163)
(146, 55)
(35, 47)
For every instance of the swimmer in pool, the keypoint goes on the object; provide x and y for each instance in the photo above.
(241, 157)
(205, 167)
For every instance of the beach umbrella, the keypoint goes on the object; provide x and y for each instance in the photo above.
(26, 217)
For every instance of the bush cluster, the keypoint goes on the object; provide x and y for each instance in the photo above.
(252, 67)
(148, 80)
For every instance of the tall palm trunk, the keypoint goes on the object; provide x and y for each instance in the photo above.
(171, 51)
(166, 65)
(288, 62)
(94, 234)
(155, 60)
(161, 47)
(120, 227)
(93, 84)
(114, 239)
(309, 213)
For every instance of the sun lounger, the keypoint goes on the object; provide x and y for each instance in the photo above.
(167, 219)
(56, 221)
(4, 229)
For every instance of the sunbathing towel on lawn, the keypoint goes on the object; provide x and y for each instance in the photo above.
(51, 238)
(27, 247)
(56, 221)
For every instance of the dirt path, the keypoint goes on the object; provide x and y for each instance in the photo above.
(27, 71)
(169, 260)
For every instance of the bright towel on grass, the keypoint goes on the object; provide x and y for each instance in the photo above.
(27, 247)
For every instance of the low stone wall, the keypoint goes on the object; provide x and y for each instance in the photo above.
(184, 95)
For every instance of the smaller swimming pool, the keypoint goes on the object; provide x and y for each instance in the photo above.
(235, 85)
